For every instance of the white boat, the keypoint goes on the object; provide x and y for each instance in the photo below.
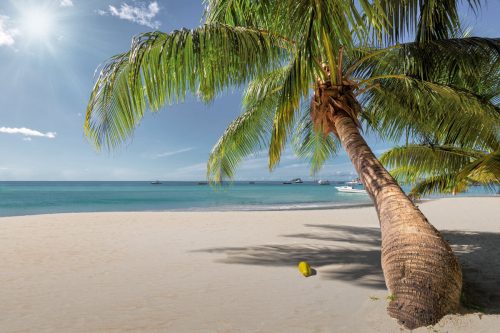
(156, 182)
(349, 189)
(355, 181)
(297, 181)
(323, 182)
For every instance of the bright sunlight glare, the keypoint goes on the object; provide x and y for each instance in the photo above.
(38, 23)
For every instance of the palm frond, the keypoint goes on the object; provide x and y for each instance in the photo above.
(238, 13)
(485, 169)
(295, 88)
(454, 95)
(444, 169)
(425, 19)
(317, 28)
(162, 68)
(249, 132)
(246, 135)
(402, 105)
(439, 184)
(313, 145)
(425, 160)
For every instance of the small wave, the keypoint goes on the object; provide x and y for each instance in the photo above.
(280, 207)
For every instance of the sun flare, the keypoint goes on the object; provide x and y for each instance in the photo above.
(38, 24)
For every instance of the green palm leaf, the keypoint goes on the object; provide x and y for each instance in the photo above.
(312, 145)
(428, 159)
(251, 130)
(483, 170)
(295, 87)
(457, 88)
(425, 19)
(161, 68)
(439, 184)
(442, 168)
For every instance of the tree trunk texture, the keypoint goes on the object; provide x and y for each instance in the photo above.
(420, 269)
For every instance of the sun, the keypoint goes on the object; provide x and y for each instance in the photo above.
(38, 24)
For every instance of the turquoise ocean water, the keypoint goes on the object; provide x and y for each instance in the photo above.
(27, 198)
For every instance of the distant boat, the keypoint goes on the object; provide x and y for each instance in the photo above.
(202, 183)
(156, 182)
(349, 189)
(287, 183)
(355, 181)
(297, 181)
(323, 182)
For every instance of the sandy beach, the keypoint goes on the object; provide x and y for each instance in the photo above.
(229, 271)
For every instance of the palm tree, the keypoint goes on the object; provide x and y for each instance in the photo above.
(291, 52)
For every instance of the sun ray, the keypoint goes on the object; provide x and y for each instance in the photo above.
(38, 24)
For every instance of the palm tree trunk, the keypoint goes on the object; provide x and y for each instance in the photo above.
(420, 269)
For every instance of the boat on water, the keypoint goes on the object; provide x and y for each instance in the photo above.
(156, 182)
(323, 182)
(349, 189)
(355, 181)
(293, 181)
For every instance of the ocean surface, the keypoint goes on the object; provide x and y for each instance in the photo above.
(28, 198)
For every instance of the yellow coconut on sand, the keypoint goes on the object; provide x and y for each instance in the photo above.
(305, 269)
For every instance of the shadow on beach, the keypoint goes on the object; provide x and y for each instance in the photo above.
(352, 254)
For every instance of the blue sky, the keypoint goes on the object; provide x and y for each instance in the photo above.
(49, 50)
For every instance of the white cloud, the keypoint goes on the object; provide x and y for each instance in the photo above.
(7, 34)
(140, 14)
(66, 3)
(27, 132)
(175, 152)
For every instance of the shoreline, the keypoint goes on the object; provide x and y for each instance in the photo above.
(256, 208)
(215, 210)
(228, 271)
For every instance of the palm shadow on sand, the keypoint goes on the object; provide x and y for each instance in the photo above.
(352, 254)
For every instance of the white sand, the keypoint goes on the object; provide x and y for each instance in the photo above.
(227, 271)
